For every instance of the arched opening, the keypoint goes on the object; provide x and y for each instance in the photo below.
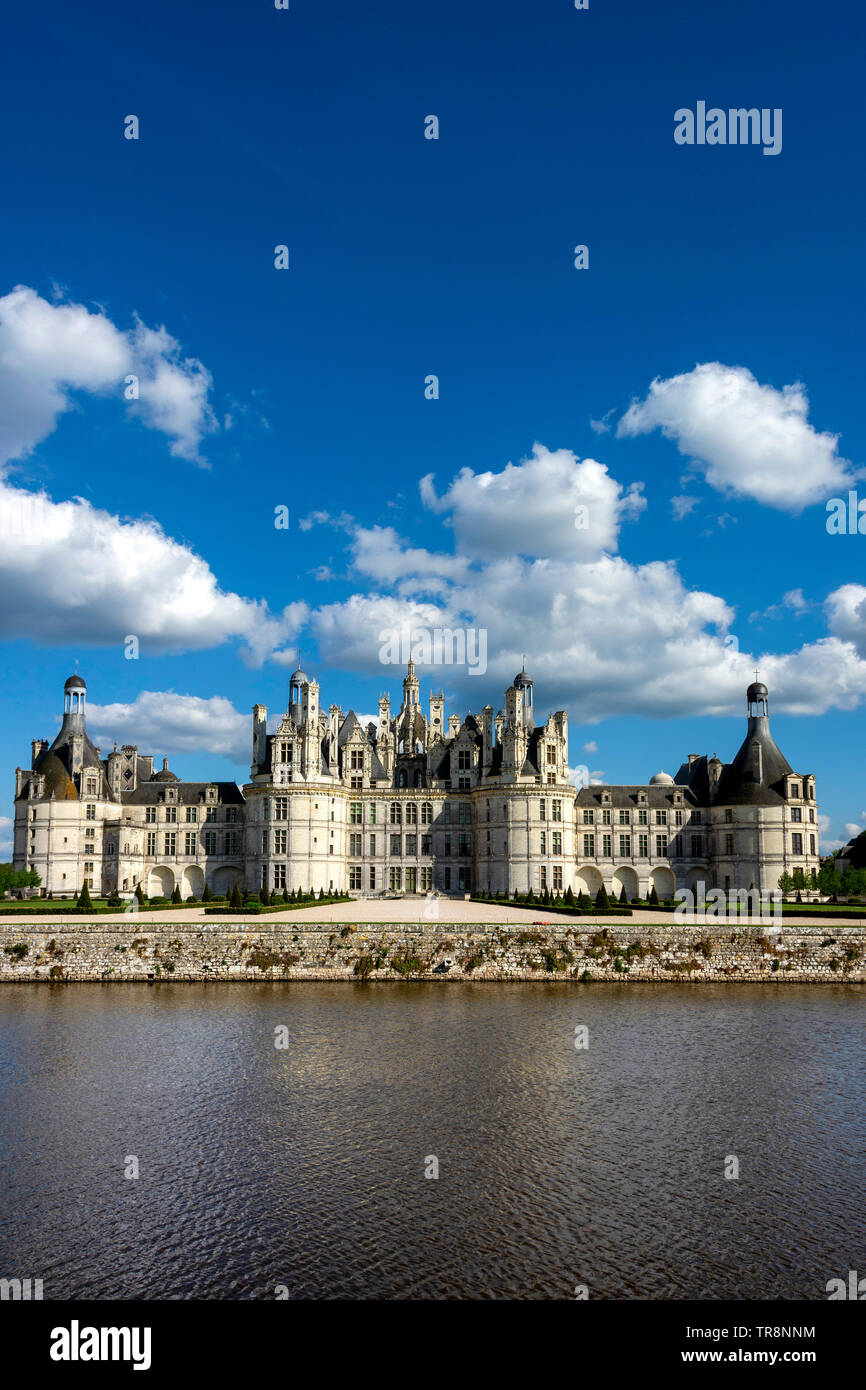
(664, 882)
(193, 881)
(588, 880)
(160, 882)
(625, 878)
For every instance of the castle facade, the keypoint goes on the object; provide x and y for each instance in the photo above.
(412, 803)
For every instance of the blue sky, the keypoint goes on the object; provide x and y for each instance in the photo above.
(720, 274)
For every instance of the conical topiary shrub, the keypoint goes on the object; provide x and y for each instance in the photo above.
(623, 897)
(653, 899)
(206, 895)
(235, 899)
(265, 897)
(85, 902)
(602, 901)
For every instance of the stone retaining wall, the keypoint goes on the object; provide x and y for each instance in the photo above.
(61, 952)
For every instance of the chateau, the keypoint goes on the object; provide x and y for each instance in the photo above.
(414, 803)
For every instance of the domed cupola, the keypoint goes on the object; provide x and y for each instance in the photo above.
(297, 686)
(661, 779)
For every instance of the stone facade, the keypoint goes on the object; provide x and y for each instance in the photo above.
(411, 803)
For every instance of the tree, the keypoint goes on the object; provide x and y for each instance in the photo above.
(285, 895)
(265, 897)
(235, 899)
(175, 897)
(85, 903)
(602, 901)
(623, 897)
(569, 897)
(140, 894)
(653, 898)
(786, 884)
(206, 896)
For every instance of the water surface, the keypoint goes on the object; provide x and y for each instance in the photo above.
(305, 1167)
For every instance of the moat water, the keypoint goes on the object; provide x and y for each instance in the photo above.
(304, 1167)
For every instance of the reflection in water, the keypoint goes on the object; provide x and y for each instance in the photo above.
(305, 1166)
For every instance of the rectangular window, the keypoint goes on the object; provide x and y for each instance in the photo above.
(643, 816)
(90, 811)
(463, 845)
(661, 846)
(372, 844)
(551, 755)
(557, 810)
(661, 817)
(149, 814)
(464, 760)
(189, 842)
(697, 846)
(795, 788)
(797, 844)
(729, 844)
(396, 813)
(606, 817)
(231, 844)
(411, 847)
(557, 842)
(446, 880)
(411, 813)
(679, 817)
(463, 784)
(589, 846)
(395, 844)
(209, 841)
(544, 842)
(355, 813)
(281, 838)
(425, 878)
(264, 842)
(696, 817)
(426, 844)
(543, 876)
(623, 817)
(231, 814)
(372, 876)
(355, 878)
(642, 846)
(171, 842)
(171, 815)
(395, 877)
(210, 815)
(446, 813)
(372, 813)
(279, 875)
(589, 817)
(355, 846)
(281, 807)
(464, 813)
(89, 832)
(625, 846)
(796, 814)
(356, 760)
(411, 880)
(729, 816)
(446, 845)
(191, 814)
(426, 813)
(811, 844)
(606, 843)
(356, 783)
(542, 810)
(557, 878)
(151, 842)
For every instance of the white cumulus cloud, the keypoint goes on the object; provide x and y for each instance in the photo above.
(748, 439)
